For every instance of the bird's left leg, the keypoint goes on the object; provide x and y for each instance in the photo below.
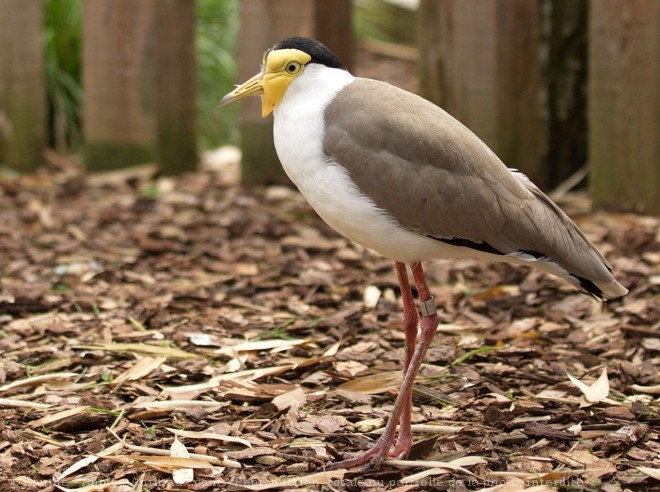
(410, 324)
(429, 324)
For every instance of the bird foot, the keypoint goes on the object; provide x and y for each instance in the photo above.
(401, 450)
(370, 458)
(376, 454)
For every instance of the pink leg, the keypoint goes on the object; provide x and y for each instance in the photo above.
(429, 324)
(410, 324)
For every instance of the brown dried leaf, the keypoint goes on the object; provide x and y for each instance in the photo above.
(122, 485)
(13, 403)
(596, 391)
(651, 390)
(584, 460)
(59, 416)
(258, 345)
(35, 380)
(295, 398)
(322, 478)
(140, 348)
(374, 384)
(181, 475)
(141, 369)
(210, 435)
(651, 472)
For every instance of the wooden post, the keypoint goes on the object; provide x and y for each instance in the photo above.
(119, 122)
(624, 104)
(22, 84)
(333, 27)
(174, 86)
(435, 50)
(566, 72)
(262, 24)
(480, 61)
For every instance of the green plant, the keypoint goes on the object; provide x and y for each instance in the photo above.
(62, 46)
(217, 28)
(384, 21)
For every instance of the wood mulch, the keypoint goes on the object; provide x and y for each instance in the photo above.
(190, 334)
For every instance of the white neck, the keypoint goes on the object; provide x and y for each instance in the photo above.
(317, 83)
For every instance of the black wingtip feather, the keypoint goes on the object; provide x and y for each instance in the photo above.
(584, 284)
(483, 246)
(589, 287)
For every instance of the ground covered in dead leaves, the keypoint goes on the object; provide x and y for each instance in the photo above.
(188, 334)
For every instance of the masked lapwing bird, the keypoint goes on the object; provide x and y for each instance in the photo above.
(397, 174)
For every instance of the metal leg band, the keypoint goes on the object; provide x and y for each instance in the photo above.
(427, 308)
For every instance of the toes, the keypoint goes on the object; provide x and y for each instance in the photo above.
(399, 452)
(369, 459)
(401, 449)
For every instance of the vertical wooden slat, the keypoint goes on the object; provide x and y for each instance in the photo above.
(435, 45)
(333, 27)
(480, 62)
(474, 77)
(174, 85)
(119, 122)
(262, 24)
(624, 108)
(22, 85)
(566, 69)
(520, 133)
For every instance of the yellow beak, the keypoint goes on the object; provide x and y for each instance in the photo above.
(252, 87)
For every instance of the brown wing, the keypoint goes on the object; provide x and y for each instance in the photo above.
(438, 179)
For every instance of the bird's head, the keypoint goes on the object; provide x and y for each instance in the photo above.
(281, 65)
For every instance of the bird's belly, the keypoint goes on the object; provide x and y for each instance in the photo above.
(352, 214)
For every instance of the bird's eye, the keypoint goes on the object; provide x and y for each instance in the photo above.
(293, 67)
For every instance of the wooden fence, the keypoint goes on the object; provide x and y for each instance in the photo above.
(550, 85)
(138, 76)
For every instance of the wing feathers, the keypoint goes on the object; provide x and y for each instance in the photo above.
(435, 177)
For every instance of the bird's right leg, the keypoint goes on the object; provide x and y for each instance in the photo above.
(429, 324)
(410, 324)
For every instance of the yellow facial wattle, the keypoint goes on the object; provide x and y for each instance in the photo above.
(280, 68)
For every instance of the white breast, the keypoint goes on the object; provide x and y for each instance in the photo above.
(298, 133)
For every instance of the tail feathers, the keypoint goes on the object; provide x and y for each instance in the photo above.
(600, 284)
(596, 280)
(570, 253)
(602, 290)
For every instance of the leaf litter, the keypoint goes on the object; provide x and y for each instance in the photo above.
(187, 332)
